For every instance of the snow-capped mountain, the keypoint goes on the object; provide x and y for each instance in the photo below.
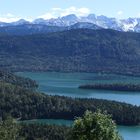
(64, 21)
(85, 25)
(130, 24)
(20, 22)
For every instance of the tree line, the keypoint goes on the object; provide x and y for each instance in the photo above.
(113, 86)
(26, 104)
(91, 126)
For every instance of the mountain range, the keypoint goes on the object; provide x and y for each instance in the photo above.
(71, 44)
(29, 29)
(127, 25)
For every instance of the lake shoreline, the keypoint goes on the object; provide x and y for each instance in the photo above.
(66, 84)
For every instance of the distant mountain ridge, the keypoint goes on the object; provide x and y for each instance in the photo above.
(130, 24)
(29, 29)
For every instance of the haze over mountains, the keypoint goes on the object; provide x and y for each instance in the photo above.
(130, 24)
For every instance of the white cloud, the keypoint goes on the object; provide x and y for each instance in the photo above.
(59, 12)
(52, 13)
(119, 13)
(47, 16)
(138, 15)
(11, 18)
(8, 18)
(9, 15)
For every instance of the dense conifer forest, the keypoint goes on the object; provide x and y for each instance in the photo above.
(23, 103)
(81, 50)
(115, 86)
(8, 77)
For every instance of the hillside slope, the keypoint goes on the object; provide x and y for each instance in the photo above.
(26, 104)
(10, 78)
(74, 50)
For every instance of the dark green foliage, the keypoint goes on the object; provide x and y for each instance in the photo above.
(11, 130)
(74, 50)
(8, 77)
(26, 104)
(114, 86)
(8, 129)
(29, 29)
(94, 126)
(43, 132)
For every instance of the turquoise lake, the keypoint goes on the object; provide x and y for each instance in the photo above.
(66, 84)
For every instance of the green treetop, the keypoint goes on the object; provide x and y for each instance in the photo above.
(8, 129)
(95, 126)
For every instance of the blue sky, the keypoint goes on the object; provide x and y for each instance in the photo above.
(11, 10)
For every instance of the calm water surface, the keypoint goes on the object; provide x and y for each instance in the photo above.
(67, 84)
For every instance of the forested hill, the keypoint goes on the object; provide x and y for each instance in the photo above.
(17, 99)
(73, 50)
(25, 104)
(7, 77)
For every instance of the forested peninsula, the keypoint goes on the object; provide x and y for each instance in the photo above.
(23, 103)
(112, 86)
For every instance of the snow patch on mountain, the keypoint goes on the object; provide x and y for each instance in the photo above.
(130, 24)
